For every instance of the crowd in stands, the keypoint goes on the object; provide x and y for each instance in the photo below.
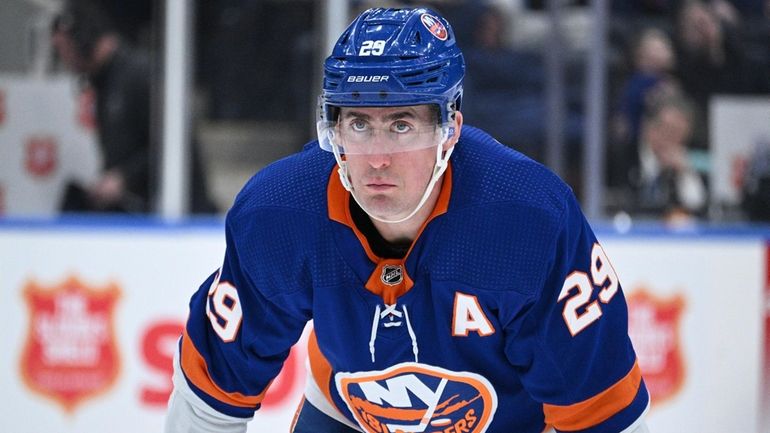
(667, 59)
(676, 56)
(91, 40)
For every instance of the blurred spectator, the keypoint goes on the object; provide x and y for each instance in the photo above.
(711, 57)
(666, 183)
(87, 43)
(653, 62)
(505, 87)
(750, 8)
(249, 66)
(134, 21)
(650, 80)
(646, 7)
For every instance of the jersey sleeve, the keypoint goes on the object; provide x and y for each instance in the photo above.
(572, 349)
(239, 330)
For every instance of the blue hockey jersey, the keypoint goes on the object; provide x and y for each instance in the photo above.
(504, 316)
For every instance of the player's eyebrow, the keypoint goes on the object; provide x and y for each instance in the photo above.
(404, 114)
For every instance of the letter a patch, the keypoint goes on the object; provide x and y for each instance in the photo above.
(469, 317)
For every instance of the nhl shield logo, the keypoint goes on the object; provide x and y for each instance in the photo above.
(412, 397)
(392, 275)
(654, 328)
(70, 352)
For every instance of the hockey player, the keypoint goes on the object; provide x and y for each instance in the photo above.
(454, 284)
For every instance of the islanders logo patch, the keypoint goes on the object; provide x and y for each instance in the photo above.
(412, 397)
(434, 26)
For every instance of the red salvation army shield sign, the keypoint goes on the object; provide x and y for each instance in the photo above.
(42, 155)
(654, 328)
(70, 353)
(418, 397)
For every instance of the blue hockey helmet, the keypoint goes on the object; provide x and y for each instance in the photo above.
(392, 57)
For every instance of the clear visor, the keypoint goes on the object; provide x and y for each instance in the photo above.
(355, 132)
(367, 139)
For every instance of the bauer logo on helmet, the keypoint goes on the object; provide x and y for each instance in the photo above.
(367, 78)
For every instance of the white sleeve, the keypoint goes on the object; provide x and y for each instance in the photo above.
(638, 427)
(641, 427)
(187, 413)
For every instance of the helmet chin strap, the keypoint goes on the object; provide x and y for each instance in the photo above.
(439, 168)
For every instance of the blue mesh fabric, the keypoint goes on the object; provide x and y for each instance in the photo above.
(508, 218)
(503, 217)
(487, 171)
(284, 227)
(497, 194)
(295, 182)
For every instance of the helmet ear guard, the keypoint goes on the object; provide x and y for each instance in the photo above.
(452, 108)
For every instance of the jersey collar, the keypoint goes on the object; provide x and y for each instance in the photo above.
(339, 206)
(380, 281)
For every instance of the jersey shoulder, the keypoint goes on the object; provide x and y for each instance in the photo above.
(504, 218)
(277, 224)
(488, 172)
(297, 182)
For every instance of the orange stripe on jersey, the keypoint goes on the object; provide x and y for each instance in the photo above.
(339, 210)
(598, 408)
(319, 367)
(196, 370)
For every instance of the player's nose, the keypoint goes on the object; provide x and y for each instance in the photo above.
(378, 160)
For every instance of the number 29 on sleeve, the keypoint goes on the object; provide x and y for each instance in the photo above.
(579, 311)
(227, 314)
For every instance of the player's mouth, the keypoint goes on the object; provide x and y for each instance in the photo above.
(380, 186)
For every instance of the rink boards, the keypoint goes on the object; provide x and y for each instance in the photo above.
(94, 307)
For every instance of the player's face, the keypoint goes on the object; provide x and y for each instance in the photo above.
(390, 185)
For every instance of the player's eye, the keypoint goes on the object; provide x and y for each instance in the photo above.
(401, 127)
(358, 126)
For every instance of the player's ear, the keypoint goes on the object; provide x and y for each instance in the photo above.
(455, 131)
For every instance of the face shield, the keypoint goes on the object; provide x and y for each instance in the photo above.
(353, 133)
(349, 128)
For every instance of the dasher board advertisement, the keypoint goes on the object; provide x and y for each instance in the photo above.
(93, 313)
